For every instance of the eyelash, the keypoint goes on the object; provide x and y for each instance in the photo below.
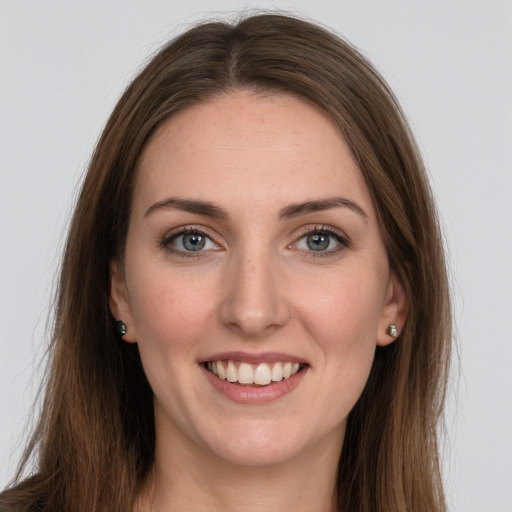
(167, 241)
(342, 240)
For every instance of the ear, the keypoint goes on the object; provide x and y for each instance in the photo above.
(119, 301)
(394, 311)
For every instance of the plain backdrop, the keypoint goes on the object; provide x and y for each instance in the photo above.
(64, 64)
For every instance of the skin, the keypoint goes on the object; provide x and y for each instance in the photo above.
(257, 287)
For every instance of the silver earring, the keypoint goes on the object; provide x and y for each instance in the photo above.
(121, 328)
(392, 330)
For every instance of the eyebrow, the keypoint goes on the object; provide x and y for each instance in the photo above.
(209, 209)
(189, 205)
(294, 210)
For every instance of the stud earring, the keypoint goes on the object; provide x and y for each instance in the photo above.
(392, 330)
(121, 328)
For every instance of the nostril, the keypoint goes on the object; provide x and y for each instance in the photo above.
(254, 304)
(252, 329)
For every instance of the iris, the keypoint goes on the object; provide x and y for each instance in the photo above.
(318, 241)
(193, 241)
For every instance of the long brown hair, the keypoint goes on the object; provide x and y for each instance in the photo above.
(94, 444)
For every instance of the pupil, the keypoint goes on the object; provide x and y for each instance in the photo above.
(317, 242)
(193, 241)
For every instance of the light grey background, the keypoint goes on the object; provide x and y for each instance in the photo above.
(64, 64)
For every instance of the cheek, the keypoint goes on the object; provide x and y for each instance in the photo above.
(171, 312)
(342, 316)
(343, 307)
(343, 324)
(171, 308)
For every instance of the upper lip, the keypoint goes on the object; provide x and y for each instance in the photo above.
(254, 358)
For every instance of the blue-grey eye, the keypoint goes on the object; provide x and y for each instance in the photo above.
(193, 241)
(319, 241)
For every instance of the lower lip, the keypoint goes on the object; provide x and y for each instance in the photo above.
(255, 394)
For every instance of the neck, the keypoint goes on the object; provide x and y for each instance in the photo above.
(187, 478)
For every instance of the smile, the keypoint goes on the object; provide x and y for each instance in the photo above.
(261, 374)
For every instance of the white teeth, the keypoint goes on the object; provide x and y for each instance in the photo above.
(220, 370)
(277, 372)
(261, 375)
(231, 373)
(245, 374)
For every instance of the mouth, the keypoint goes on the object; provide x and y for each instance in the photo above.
(254, 375)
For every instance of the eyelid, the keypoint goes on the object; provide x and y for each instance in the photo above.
(342, 238)
(166, 240)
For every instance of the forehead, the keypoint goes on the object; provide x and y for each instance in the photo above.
(251, 146)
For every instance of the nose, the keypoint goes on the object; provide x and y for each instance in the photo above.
(254, 304)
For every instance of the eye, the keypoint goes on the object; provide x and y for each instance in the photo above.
(189, 241)
(321, 240)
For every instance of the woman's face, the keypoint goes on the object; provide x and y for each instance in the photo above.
(255, 280)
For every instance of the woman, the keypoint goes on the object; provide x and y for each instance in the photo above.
(253, 309)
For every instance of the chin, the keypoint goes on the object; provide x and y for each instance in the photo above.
(261, 445)
(257, 455)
